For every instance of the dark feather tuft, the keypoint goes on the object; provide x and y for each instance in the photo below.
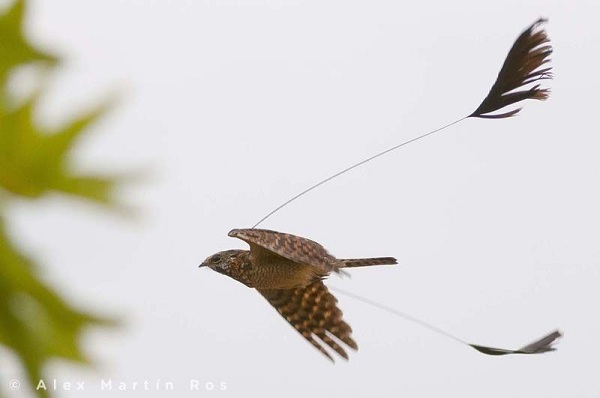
(521, 67)
(537, 347)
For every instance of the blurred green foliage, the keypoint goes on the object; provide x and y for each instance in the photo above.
(36, 324)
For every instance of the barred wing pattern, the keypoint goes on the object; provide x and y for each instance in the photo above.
(292, 247)
(313, 312)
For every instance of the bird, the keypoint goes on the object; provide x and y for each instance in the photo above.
(288, 271)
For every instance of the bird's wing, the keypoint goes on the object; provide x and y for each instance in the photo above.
(265, 243)
(313, 312)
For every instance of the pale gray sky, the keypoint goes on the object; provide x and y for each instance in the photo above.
(237, 105)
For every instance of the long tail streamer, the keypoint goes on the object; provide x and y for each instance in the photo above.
(519, 79)
(544, 344)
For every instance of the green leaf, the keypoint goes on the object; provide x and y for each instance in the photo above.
(36, 323)
(15, 50)
(34, 161)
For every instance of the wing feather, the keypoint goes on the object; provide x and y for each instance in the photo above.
(291, 247)
(312, 310)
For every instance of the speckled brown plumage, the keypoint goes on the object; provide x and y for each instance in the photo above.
(288, 271)
(313, 312)
(295, 248)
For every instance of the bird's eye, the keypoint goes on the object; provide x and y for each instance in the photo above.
(216, 259)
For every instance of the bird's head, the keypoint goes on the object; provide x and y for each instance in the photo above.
(233, 263)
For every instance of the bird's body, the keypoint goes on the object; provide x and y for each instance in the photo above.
(288, 271)
(268, 273)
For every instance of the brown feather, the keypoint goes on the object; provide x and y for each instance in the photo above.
(313, 312)
(292, 247)
(521, 68)
(364, 262)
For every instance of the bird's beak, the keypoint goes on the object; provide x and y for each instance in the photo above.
(203, 265)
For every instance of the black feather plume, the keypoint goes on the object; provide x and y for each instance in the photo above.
(522, 66)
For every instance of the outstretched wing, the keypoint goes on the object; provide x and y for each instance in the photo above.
(312, 310)
(263, 243)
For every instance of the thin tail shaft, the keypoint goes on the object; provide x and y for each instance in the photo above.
(364, 262)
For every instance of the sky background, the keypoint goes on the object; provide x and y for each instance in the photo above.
(232, 107)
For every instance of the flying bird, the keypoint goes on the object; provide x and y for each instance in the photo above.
(288, 271)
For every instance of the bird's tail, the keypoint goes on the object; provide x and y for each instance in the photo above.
(363, 262)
